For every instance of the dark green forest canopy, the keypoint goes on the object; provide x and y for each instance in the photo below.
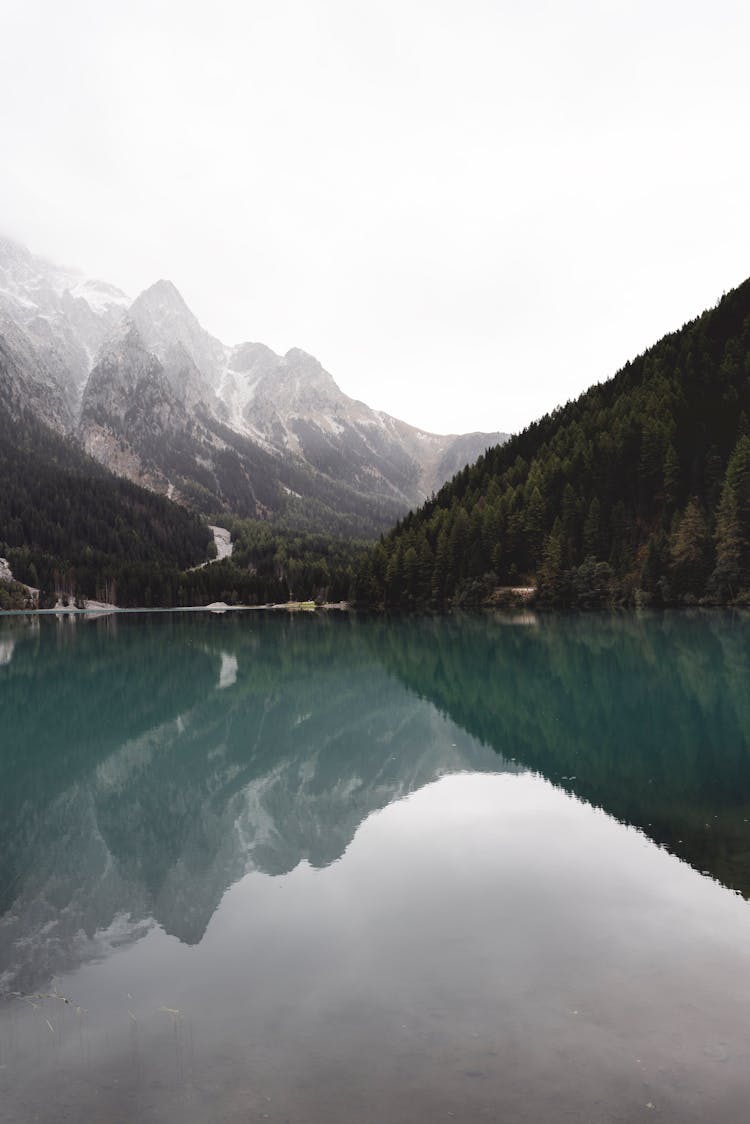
(68, 523)
(269, 565)
(638, 491)
(306, 565)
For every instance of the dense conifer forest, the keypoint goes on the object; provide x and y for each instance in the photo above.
(269, 566)
(67, 524)
(303, 565)
(638, 492)
(69, 528)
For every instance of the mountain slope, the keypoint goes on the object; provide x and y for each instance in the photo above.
(30, 380)
(65, 316)
(639, 490)
(150, 395)
(292, 404)
(65, 521)
(292, 407)
(153, 396)
(153, 421)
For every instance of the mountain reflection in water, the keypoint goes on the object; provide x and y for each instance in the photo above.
(148, 763)
(333, 868)
(153, 762)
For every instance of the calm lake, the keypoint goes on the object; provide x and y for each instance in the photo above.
(331, 868)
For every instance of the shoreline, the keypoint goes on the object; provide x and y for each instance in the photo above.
(216, 607)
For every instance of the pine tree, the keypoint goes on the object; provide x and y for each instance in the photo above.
(551, 570)
(394, 577)
(671, 476)
(534, 525)
(690, 550)
(732, 572)
(571, 525)
(592, 537)
(440, 568)
(411, 572)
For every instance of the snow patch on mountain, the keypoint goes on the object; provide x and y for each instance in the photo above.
(65, 315)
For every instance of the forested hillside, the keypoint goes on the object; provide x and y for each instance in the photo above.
(638, 491)
(269, 565)
(67, 524)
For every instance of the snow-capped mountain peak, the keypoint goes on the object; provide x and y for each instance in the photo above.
(164, 319)
(156, 397)
(66, 315)
(35, 283)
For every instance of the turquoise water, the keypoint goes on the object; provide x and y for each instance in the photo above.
(331, 868)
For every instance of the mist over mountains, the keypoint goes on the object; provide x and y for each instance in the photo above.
(145, 390)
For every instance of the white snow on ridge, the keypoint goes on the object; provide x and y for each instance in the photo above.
(290, 405)
(100, 296)
(34, 283)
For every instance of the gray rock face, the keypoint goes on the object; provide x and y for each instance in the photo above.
(291, 403)
(156, 398)
(140, 414)
(29, 378)
(164, 320)
(65, 316)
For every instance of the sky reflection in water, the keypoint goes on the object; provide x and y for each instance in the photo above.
(346, 869)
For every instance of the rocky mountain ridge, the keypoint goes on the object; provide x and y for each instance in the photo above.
(152, 395)
(65, 316)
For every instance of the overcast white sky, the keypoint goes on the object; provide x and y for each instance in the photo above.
(468, 210)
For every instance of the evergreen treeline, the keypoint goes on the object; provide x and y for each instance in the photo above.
(298, 565)
(267, 567)
(67, 524)
(637, 492)
(14, 596)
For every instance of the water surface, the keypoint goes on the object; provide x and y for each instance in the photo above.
(328, 868)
